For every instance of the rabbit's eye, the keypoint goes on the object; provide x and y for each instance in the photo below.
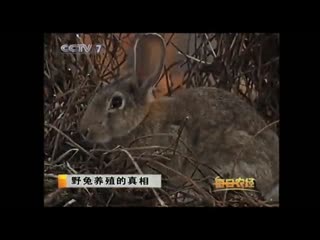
(116, 102)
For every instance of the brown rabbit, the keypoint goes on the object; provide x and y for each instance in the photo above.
(221, 130)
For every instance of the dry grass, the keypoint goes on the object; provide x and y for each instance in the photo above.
(246, 64)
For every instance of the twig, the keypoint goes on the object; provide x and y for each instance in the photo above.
(179, 134)
(159, 156)
(67, 111)
(70, 168)
(250, 199)
(75, 172)
(167, 81)
(188, 56)
(103, 71)
(50, 175)
(197, 188)
(214, 54)
(194, 59)
(112, 160)
(65, 93)
(109, 200)
(65, 154)
(49, 72)
(139, 170)
(233, 41)
(46, 74)
(55, 144)
(169, 40)
(72, 201)
(88, 58)
(67, 137)
(130, 149)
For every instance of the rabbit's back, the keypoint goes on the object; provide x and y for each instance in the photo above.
(227, 134)
(218, 108)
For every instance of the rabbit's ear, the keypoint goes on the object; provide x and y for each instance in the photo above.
(149, 55)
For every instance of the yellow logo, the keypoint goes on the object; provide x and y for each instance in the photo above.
(245, 184)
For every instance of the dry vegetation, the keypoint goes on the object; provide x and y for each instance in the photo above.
(246, 64)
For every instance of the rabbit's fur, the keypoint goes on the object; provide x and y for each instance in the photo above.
(221, 130)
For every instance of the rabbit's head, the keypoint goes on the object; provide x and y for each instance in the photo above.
(121, 106)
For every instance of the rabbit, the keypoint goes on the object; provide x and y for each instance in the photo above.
(220, 129)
